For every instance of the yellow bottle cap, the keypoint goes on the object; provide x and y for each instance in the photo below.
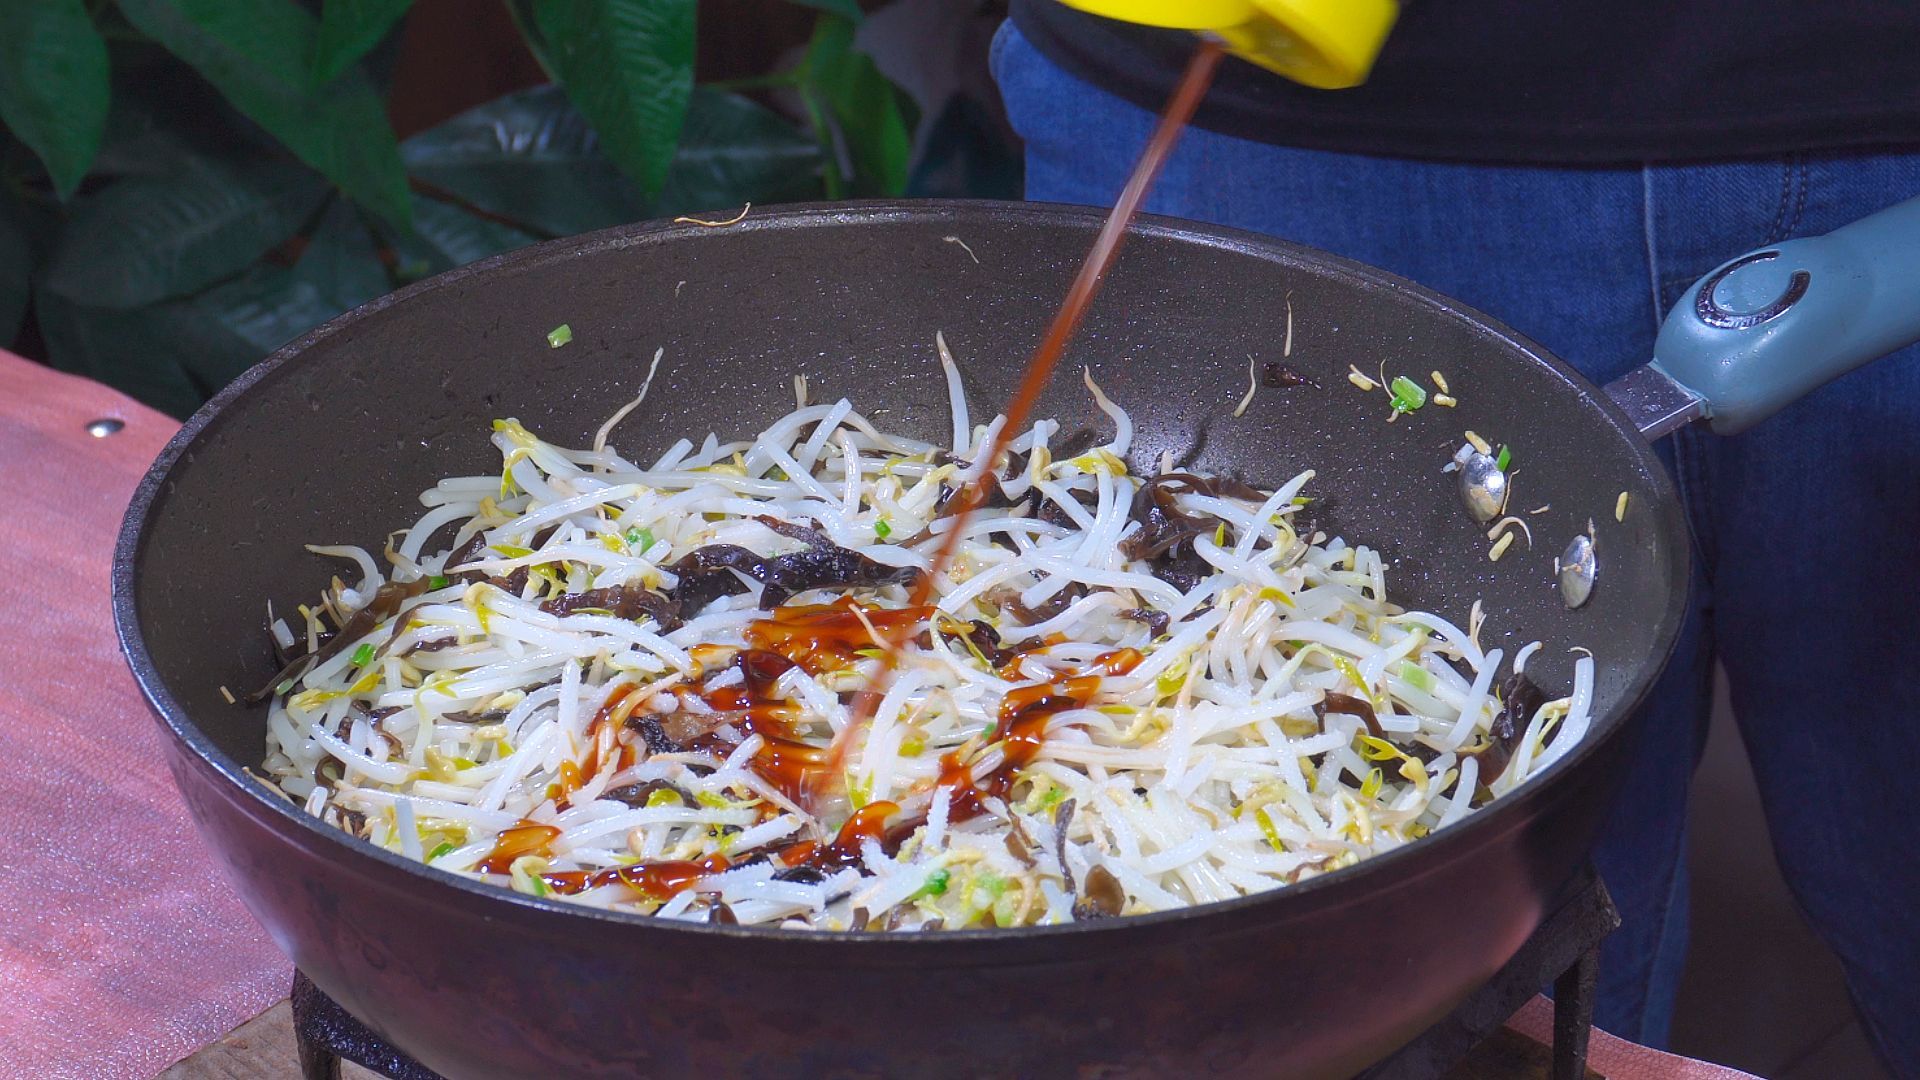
(1329, 44)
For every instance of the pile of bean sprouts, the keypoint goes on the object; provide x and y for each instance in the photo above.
(1209, 769)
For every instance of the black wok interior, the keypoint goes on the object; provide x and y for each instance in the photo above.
(332, 443)
(332, 439)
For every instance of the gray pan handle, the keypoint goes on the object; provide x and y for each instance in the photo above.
(1771, 326)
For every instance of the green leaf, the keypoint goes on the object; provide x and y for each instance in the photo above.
(521, 13)
(446, 236)
(733, 151)
(866, 109)
(258, 54)
(266, 307)
(153, 152)
(151, 353)
(152, 92)
(53, 84)
(628, 65)
(348, 29)
(148, 238)
(848, 9)
(964, 153)
(177, 354)
(529, 156)
(1407, 395)
(16, 270)
(342, 261)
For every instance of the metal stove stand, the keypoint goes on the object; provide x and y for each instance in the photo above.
(1563, 952)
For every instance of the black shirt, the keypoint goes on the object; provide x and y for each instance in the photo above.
(1545, 81)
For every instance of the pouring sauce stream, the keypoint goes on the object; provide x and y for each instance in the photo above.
(1186, 98)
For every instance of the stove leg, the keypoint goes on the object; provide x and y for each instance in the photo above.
(317, 1062)
(1573, 994)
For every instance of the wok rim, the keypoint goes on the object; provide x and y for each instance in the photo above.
(1385, 870)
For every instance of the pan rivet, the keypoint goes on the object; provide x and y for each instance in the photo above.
(104, 426)
(1483, 487)
(1578, 568)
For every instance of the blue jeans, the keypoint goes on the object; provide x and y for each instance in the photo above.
(1808, 588)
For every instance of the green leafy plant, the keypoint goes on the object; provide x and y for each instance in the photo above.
(187, 184)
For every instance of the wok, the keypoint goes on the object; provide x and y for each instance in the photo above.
(330, 439)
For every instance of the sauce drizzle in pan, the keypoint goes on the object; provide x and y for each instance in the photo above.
(1186, 98)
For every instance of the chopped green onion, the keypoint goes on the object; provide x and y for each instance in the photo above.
(639, 539)
(438, 581)
(439, 849)
(991, 883)
(937, 882)
(559, 335)
(1505, 459)
(363, 655)
(1407, 394)
(285, 685)
(882, 529)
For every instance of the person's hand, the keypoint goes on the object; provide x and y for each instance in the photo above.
(1328, 44)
